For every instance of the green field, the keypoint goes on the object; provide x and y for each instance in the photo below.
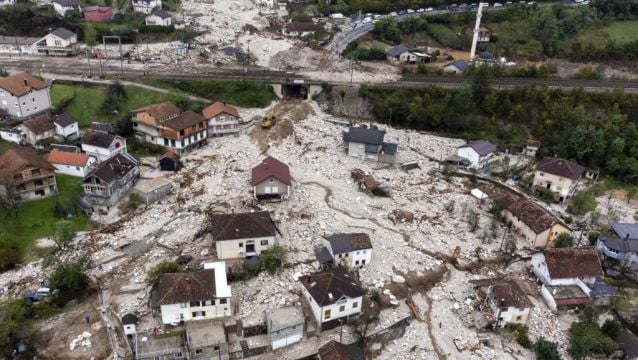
(622, 31)
(35, 219)
(85, 107)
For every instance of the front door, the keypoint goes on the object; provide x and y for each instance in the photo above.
(250, 248)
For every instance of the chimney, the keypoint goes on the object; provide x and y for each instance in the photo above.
(25, 82)
(236, 232)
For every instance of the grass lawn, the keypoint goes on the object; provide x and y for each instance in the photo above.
(35, 219)
(88, 100)
(622, 31)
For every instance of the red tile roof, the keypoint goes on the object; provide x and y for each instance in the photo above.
(217, 108)
(271, 167)
(159, 110)
(68, 158)
(566, 263)
(174, 288)
(20, 84)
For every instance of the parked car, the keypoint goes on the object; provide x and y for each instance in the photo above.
(429, 9)
(394, 13)
(410, 11)
(420, 10)
(497, 5)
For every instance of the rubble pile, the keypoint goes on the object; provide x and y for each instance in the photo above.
(82, 340)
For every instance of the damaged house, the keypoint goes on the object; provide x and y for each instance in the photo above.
(351, 250)
(571, 277)
(537, 226)
(108, 183)
(502, 302)
(333, 296)
(271, 180)
(367, 143)
(242, 235)
(622, 246)
(198, 295)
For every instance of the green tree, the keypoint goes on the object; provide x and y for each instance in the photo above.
(69, 281)
(581, 203)
(340, 7)
(14, 327)
(388, 29)
(480, 85)
(64, 233)
(271, 259)
(10, 253)
(611, 328)
(563, 240)
(546, 350)
(90, 35)
(164, 267)
(587, 339)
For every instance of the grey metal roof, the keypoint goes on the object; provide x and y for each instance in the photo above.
(625, 230)
(397, 50)
(345, 243)
(389, 148)
(482, 147)
(459, 64)
(163, 14)
(619, 244)
(600, 289)
(63, 33)
(323, 255)
(364, 135)
(486, 55)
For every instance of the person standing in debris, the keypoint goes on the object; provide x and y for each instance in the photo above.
(87, 318)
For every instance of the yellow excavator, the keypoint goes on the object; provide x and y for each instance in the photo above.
(269, 120)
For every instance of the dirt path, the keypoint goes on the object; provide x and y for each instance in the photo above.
(428, 320)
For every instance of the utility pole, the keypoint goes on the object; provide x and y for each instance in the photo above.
(351, 68)
(137, 46)
(88, 60)
(390, 118)
(121, 59)
(341, 332)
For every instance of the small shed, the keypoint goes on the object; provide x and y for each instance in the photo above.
(151, 190)
(478, 194)
(128, 322)
(170, 161)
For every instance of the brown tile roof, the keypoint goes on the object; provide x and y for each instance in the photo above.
(98, 138)
(159, 110)
(171, 155)
(115, 168)
(183, 121)
(17, 159)
(535, 217)
(21, 84)
(241, 226)
(217, 108)
(327, 287)
(175, 288)
(271, 167)
(345, 243)
(561, 167)
(482, 147)
(64, 120)
(564, 263)
(333, 350)
(19, 40)
(504, 292)
(533, 143)
(39, 125)
(301, 26)
(68, 158)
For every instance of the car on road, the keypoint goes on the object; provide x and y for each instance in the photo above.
(410, 11)
(367, 20)
(402, 12)
(497, 5)
(394, 13)
(420, 10)
(429, 9)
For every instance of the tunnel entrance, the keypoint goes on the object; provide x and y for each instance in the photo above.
(294, 91)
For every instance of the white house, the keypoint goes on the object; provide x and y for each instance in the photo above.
(146, 6)
(159, 18)
(502, 302)
(102, 145)
(38, 129)
(456, 67)
(478, 152)
(13, 135)
(622, 246)
(242, 235)
(7, 2)
(71, 163)
(62, 6)
(66, 126)
(23, 96)
(198, 295)
(532, 147)
(299, 29)
(367, 143)
(19, 45)
(59, 42)
(333, 297)
(352, 250)
(558, 176)
(568, 276)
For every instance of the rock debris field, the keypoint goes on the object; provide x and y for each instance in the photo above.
(409, 260)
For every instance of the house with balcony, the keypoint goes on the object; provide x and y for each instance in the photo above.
(558, 176)
(367, 143)
(198, 295)
(571, 277)
(59, 42)
(222, 119)
(110, 180)
(23, 96)
(242, 235)
(25, 176)
(166, 125)
(333, 296)
(347, 249)
(146, 6)
(621, 246)
(102, 145)
(501, 302)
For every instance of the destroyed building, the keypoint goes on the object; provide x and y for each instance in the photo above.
(502, 302)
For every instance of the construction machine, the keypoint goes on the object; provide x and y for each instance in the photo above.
(269, 120)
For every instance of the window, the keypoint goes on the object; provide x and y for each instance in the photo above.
(39, 192)
(209, 302)
(355, 305)
(518, 318)
(327, 314)
(342, 308)
(223, 301)
(264, 243)
(35, 172)
(194, 303)
(77, 168)
(278, 332)
(199, 313)
(363, 262)
(216, 347)
(356, 262)
(241, 244)
(198, 351)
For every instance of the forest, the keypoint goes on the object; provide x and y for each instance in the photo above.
(597, 130)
